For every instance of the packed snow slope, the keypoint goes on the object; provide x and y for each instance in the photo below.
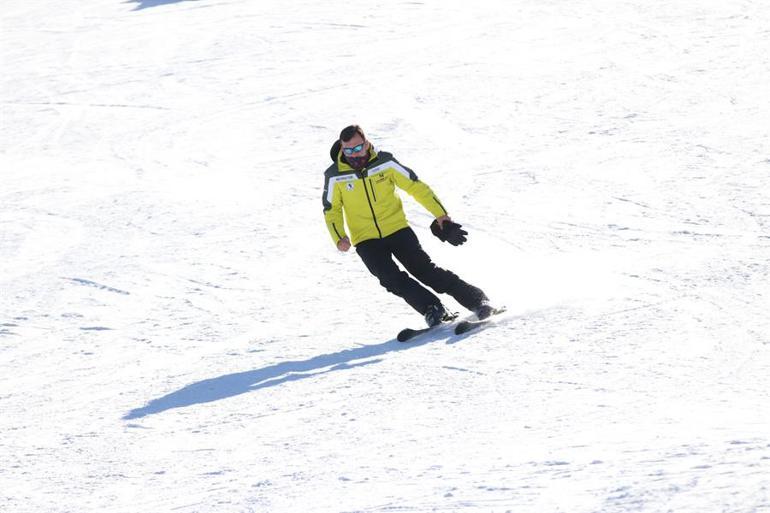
(179, 334)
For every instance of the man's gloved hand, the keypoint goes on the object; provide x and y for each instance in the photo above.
(451, 232)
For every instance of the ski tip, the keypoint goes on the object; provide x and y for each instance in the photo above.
(466, 326)
(404, 335)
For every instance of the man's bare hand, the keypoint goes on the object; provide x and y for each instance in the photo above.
(343, 244)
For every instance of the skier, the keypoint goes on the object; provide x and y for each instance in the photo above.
(361, 182)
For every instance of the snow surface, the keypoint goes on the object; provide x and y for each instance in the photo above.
(179, 334)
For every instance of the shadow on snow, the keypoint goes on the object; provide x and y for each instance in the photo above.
(144, 4)
(231, 385)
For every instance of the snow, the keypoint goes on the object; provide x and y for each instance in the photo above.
(179, 334)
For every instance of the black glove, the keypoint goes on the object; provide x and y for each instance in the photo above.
(452, 233)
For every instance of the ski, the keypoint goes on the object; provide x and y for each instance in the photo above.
(466, 326)
(408, 333)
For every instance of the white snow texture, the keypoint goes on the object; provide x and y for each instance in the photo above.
(178, 332)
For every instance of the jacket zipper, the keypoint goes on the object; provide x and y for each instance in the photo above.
(369, 199)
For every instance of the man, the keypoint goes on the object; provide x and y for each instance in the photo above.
(361, 183)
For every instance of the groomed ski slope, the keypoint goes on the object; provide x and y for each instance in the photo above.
(179, 334)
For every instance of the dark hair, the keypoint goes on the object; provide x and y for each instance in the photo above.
(350, 131)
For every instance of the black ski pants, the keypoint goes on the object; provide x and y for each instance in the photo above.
(378, 254)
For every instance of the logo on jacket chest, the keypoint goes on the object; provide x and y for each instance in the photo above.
(349, 186)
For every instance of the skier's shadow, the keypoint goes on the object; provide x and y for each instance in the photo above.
(239, 383)
(144, 4)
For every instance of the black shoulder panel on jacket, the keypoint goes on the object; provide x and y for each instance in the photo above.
(386, 156)
(331, 170)
(382, 156)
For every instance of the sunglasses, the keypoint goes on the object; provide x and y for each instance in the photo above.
(354, 149)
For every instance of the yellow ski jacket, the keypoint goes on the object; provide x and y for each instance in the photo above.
(368, 198)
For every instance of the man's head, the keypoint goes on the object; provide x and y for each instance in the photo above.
(354, 146)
